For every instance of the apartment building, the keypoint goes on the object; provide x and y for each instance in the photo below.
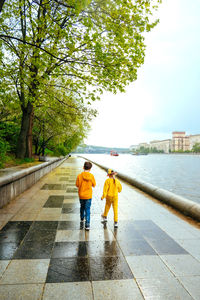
(164, 145)
(180, 141)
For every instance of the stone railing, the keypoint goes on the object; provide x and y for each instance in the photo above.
(14, 184)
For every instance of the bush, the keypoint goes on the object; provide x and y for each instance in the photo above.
(48, 152)
(196, 148)
(4, 147)
(26, 160)
(60, 150)
(9, 132)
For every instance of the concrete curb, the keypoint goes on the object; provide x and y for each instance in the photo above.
(14, 184)
(22, 173)
(185, 206)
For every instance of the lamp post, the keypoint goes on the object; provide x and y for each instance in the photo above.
(43, 158)
(43, 146)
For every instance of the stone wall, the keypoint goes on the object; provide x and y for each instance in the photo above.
(16, 183)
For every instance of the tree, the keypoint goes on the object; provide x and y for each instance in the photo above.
(9, 116)
(196, 148)
(82, 47)
(60, 124)
(9, 107)
(143, 149)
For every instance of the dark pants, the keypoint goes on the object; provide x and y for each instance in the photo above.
(85, 210)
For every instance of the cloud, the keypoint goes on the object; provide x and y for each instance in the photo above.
(166, 95)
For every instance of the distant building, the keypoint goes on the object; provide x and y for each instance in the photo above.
(164, 145)
(193, 140)
(145, 145)
(180, 141)
(133, 148)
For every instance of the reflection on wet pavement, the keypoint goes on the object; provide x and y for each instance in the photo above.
(68, 270)
(103, 248)
(54, 201)
(54, 187)
(69, 249)
(107, 268)
(7, 250)
(63, 178)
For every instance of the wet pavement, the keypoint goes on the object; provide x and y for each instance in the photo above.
(153, 254)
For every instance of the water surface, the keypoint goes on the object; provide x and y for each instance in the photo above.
(178, 173)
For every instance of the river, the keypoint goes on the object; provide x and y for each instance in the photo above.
(178, 173)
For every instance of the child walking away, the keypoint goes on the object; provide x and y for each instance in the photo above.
(85, 181)
(112, 187)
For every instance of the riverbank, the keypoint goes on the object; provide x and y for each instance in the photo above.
(185, 206)
(178, 174)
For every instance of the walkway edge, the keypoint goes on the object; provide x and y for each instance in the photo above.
(185, 206)
(14, 184)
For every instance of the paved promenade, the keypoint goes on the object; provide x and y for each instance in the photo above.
(154, 254)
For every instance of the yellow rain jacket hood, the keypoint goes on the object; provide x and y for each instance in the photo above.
(84, 182)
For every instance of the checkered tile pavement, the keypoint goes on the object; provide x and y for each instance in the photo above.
(44, 254)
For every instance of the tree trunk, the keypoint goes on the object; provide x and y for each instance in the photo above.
(24, 147)
(1, 4)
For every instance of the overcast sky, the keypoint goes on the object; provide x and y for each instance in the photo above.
(165, 97)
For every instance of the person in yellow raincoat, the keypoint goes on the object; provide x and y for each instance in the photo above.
(112, 187)
(85, 182)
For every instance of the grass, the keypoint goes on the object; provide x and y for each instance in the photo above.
(11, 161)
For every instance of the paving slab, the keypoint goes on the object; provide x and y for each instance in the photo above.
(68, 290)
(21, 291)
(116, 289)
(159, 289)
(191, 283)
(25, 271)
(148, 267)
(182, 265)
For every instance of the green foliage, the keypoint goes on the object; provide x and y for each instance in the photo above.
(144, 150)
(9, 132)
(56, 150)
(196, 148)
(24, 160)
(155, 150)
(181, 151)
(65, 54)
(4, 147)
(10, 161)
(8, 137)
(61, 150)
(57, 124)
(74, 140)
(48, 152)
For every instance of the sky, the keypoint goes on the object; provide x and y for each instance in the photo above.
(165, 97)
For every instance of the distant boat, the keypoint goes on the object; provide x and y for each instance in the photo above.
(113, 153)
